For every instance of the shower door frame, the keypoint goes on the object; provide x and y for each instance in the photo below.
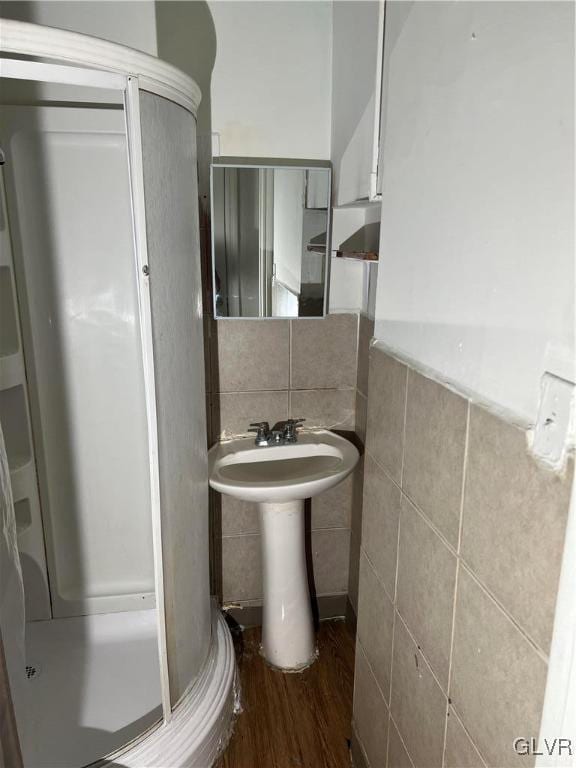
(129, 86)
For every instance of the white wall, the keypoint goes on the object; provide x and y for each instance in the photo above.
(288, 223)
(271, 78)
(354, 55)
(128, 22)
(476, 279)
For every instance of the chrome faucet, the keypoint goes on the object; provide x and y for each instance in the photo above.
(282, 433)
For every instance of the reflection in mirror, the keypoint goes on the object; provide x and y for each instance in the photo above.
(269, 240)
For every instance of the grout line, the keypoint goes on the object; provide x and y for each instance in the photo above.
(257, 533)
(240, 535)
(464, 474)
(540, 652)
(404, 429)
(451, 655)
(283, 389)
(457, 717)
(371, 669)
(401, 739)
(421, 652)
(397, 569)
(387, 762)
(392, 662)
(456, 580)
(363, 749)
(431, 525)
(387, 736)
(376, 574)
(383, 469)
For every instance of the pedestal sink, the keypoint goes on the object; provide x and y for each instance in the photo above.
(279, 478)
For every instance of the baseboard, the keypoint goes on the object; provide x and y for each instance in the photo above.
(327, 607)
(351, 618)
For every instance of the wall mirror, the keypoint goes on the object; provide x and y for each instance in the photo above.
(270, 230)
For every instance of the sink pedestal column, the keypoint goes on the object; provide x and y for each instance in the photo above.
(288, 640)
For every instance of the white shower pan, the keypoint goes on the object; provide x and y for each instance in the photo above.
(279, 479)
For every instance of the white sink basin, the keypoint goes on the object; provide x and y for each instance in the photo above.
(318, 461)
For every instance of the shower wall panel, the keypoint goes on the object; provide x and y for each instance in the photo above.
(70, 215)
(171, 192)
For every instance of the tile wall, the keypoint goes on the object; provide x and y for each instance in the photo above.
(365, 332)
(462, 535)
(270, 370)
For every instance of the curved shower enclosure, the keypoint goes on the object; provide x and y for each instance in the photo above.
(123, 657)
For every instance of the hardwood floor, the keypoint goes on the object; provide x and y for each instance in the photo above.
(294, 720)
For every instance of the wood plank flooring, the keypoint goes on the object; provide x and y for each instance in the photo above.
(294, 720)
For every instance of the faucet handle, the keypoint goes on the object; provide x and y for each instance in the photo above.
(290, 427)
(259, 425)
(262, 428)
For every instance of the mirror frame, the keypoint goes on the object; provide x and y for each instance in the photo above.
(257, 163)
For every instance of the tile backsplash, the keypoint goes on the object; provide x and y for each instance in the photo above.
(269, 370)
(272, 369)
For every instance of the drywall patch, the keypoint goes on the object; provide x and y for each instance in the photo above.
(553, 432)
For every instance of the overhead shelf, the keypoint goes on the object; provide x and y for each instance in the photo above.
(357, 255)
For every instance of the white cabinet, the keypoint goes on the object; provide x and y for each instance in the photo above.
(358, 31)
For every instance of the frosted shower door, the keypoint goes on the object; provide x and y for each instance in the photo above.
(171, 199)
(70, 216)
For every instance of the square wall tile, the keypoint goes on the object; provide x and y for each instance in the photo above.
(324, 352)
(333, 508)
(357, 496)
(434, 452)
(354, 570)
(361, 416)
(498, 678)
(425, 589)
(250, 355)
(397, 755)
(208, 327)
(358, 757)
(418, 705)
(332, 408)
(241, 568)
(514, 522)
(375, 625)
(238, 516)
(365, 333)
(460, 751)
(330, 557)
(370, 712)
(380, 516)
(233, 412)
(386, 405)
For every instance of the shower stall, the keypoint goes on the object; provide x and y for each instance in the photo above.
(123, 657)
